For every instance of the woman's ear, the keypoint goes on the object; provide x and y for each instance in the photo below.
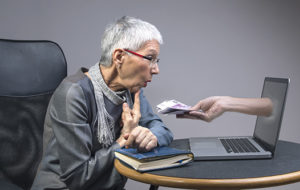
(118, 58)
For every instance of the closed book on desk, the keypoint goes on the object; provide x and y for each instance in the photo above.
(158, 158)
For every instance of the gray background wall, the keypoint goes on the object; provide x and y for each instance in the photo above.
(211, 47)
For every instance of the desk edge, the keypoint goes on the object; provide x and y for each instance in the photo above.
(207, 183)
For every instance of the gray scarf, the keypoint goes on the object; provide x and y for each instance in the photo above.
(106, 123)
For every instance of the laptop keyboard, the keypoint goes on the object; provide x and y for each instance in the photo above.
(238, 145)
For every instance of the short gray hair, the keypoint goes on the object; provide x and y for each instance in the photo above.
(126, 33)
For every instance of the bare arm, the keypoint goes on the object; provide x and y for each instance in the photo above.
(253, 106)
(215, 106)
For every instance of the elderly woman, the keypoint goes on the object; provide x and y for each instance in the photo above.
(96, 111)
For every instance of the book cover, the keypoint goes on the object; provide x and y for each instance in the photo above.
(158, 158)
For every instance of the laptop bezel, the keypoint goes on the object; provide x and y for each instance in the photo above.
(261, 142)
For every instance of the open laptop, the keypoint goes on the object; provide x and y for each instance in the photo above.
(263, 142)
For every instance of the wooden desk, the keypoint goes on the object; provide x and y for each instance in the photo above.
(284, 168)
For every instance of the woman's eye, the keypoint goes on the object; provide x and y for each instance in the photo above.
(150, 57)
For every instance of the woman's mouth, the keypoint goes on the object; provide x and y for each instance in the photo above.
(145, 84)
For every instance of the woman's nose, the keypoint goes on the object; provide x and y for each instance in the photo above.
(155, 69)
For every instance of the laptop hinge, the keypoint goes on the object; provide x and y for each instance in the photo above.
(263, 145)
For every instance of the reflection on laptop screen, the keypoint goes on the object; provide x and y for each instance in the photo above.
(267, 128)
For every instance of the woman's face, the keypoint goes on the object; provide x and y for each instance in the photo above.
(136, 71)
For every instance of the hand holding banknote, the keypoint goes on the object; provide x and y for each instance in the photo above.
(206, 109)
(211, 108)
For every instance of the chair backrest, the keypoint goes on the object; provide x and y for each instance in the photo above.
(30, 71)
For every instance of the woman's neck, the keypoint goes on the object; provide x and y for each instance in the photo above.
(111, 78)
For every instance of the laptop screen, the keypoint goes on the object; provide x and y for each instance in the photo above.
(267, 128)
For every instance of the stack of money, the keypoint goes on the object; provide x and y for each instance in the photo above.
(172, 107)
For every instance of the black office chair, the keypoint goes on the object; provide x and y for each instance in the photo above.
(30, 71)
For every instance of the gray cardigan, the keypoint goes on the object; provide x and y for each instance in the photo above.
(73, 158)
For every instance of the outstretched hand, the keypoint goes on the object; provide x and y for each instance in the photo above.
(206, 109)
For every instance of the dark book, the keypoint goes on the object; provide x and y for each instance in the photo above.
(158, 158)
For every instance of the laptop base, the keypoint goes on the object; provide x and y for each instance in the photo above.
(211, 148)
